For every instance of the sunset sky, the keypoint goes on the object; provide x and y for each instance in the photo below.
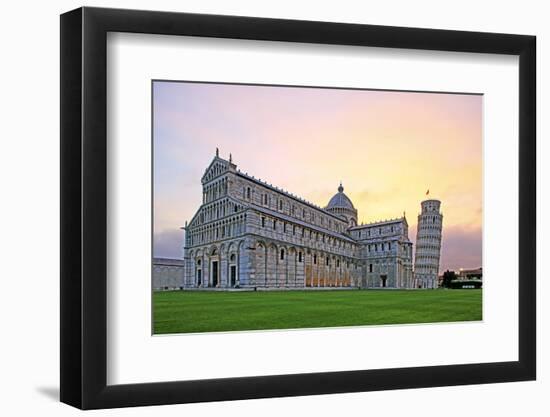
(386, 147)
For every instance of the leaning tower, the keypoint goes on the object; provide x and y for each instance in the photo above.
(428, 245)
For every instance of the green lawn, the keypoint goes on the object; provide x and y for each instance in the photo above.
(205, 311)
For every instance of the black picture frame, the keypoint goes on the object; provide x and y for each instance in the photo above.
(84, 207)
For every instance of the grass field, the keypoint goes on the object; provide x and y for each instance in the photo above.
(206, 311)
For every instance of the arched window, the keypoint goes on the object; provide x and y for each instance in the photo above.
(315, 259)
(274, 224)
(299, 256)
(282, 254)
(248, 193)
(263, 221)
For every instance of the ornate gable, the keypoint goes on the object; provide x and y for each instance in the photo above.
(201, 215)
(195, 220)
(198, 218)
(216, 168)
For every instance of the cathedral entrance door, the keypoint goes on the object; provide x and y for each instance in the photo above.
(214, 273)
(233, 274)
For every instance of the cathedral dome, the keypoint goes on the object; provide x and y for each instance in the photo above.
(340, 200)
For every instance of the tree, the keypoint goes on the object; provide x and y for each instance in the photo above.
(448, 276)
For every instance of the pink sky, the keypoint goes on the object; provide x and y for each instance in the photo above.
(386, 147)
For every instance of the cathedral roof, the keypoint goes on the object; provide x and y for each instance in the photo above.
(286, 193)
(380, 223)
(340, 200)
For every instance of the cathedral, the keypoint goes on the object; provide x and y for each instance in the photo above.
(250, 234)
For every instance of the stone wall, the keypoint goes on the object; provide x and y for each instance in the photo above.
(386, 253)
(167, 274)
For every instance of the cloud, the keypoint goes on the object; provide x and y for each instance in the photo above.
(168, 244)
(461, 248)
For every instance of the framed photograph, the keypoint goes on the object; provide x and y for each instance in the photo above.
(257, 208)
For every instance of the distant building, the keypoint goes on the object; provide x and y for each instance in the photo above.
(248, 233)
(167, 273)
(464, 278)
(467, 274)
